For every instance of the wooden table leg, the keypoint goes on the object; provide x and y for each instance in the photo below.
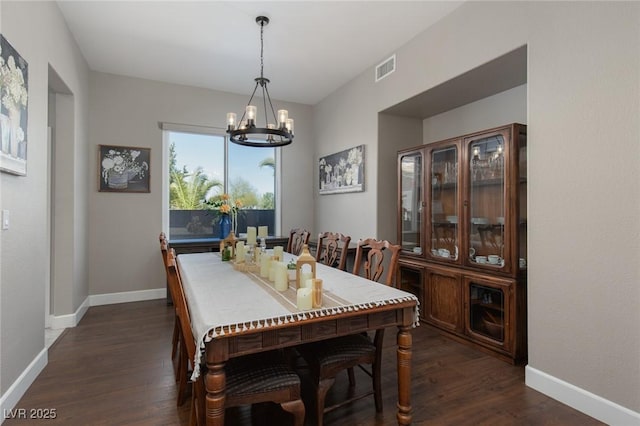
(404, 375)
(215, 384)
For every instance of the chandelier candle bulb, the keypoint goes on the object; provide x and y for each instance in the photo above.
(289, 125)
(251, 112)
(281, 276)
(304, 299)
(231, 120)
(283, 115)
(263, 231)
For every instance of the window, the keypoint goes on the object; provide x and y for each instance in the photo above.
(200, 168)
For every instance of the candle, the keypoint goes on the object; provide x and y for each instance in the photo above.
(304, 301)
(316, 293)
(272, 269)
(282, 281)
(278, 252)
(263, 231)
(265, 265)
(304, 276)
(239, 252)
(251, 235)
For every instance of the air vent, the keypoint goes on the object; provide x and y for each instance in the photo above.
(385, 68)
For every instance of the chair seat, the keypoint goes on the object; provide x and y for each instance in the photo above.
(255, 374)
(338, 350)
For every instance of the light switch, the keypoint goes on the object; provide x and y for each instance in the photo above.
(5, 219)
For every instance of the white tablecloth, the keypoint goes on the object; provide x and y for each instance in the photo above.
(223, 300)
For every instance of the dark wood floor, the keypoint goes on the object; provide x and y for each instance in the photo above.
(114, 369)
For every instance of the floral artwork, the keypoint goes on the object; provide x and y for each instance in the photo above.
(13, 110)
(124, 169)
(342, 171)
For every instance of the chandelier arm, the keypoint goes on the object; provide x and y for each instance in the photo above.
(271, 105)
(265, 95)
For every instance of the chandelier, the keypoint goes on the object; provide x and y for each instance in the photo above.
(278, 132)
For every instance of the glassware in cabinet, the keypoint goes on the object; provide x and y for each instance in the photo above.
(487, 210)
(410, 177)
(444, 203)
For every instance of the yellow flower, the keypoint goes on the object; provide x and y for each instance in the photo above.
(238, 204)
(225, 208)
(225, 197)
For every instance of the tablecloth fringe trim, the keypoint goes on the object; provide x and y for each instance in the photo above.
(220, 331)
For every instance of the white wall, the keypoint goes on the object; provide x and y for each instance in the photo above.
(506, 107)
(584, 193)
(38, 33)
(124, 228)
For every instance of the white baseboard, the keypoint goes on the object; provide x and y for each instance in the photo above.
(70, 320)
(127, 296)
(593, 405)
(12, 396)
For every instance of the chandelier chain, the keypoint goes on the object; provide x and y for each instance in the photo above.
(261, 50)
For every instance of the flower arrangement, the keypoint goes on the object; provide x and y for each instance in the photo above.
(225, 205)
(123, 161)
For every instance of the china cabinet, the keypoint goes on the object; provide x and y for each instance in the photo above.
(462, 225)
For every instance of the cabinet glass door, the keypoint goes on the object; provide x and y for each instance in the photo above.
(487, 311)
(444, 203)
(411, 202)
(487, 201)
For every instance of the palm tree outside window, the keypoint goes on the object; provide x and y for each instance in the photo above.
(204, 167)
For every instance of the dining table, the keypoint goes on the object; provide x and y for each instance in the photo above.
(234, 311)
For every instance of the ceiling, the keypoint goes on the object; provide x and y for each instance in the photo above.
(311, 48)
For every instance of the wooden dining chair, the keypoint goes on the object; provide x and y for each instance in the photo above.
(326, 359)
(252, 379)
(175, 339)
(298, 237)
(332, 249)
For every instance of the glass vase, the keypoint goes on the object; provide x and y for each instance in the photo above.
(225, 226)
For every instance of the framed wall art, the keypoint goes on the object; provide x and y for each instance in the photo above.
(13, 110)
(342, 171)
(123, 168)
